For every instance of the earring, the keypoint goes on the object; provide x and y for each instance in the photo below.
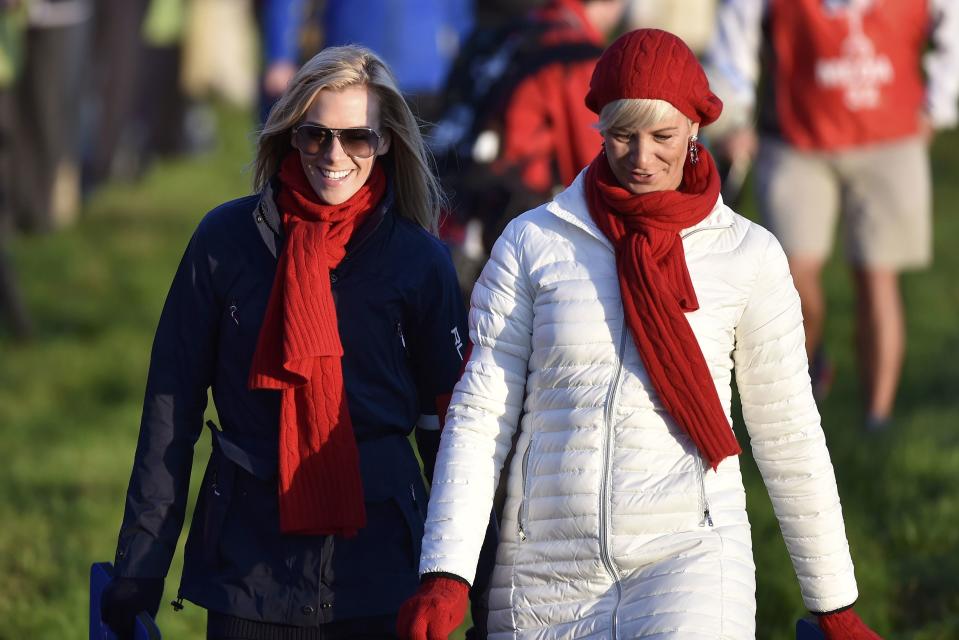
(693, 150)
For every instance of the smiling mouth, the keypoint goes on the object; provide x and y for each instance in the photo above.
(335, 175)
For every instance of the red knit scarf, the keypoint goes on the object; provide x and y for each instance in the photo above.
(657, 291)
(299, 352)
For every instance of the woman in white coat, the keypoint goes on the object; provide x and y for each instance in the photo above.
(607, 327)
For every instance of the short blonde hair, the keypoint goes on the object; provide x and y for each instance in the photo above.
(418, 194)
(635, 113)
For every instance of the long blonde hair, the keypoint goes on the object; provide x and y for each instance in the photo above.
(418, 194)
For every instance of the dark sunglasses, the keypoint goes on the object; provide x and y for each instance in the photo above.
(358, 142)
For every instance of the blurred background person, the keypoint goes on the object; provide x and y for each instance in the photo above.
(13, 310)
(417, 38)
(849, 97)
(113, 84)
(513, 129)
(158, 65)
(42, 47)
(43, 122)
(692, 20)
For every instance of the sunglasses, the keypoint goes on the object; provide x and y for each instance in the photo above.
(358, 142)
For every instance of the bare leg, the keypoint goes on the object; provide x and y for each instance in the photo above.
(806, 273)
(881, 339)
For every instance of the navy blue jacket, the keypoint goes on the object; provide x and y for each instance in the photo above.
(402, 325)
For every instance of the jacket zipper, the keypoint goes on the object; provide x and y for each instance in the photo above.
(524, 505)
(707, 519)
(606, 489)
(402, 337)
(695, 231)
(703, 500)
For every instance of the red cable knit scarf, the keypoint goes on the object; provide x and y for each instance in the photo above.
(299, 352)
(657, 291)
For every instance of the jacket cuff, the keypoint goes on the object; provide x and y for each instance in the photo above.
(839, 610)
(426, 577)
(140, 555)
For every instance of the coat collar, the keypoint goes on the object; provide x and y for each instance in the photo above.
(268, 222)
(570, 205)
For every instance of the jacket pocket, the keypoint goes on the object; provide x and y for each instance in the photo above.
(218, 490)
(236, 484)
(388, 547)
(706, 516)
(523, 516)
(415, 522)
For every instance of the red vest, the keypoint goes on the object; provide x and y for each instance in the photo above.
(847, 77)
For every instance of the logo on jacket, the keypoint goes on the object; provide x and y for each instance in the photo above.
(858, 71)
(457, 341)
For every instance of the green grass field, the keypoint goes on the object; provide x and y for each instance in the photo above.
(70, 402)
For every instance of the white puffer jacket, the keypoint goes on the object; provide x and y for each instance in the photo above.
(612, 527)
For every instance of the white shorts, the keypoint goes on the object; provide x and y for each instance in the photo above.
(884, 192)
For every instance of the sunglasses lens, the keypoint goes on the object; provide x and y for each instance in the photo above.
(311, 140)
(360, 143)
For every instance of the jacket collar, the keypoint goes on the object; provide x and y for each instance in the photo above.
(570, 205)
(268, 222)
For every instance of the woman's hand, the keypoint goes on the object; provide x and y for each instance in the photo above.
(845, 625)
(277, 78)
(927, 130)
(124, 598)
(435, 611)
(739, 145)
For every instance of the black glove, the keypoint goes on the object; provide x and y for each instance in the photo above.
(124, 598)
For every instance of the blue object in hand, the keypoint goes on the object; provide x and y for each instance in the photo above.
(807, 629)
(101, 573)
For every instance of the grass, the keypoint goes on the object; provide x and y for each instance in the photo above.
(70, 402)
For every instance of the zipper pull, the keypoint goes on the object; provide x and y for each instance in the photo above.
(413, 493)
(178, 603)
(522, 535)
(233, 310)
(707, 519)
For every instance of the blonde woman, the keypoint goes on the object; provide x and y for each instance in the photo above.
(325, 316)
(607, 327)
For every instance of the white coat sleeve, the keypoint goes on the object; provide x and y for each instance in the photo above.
(732, 59)
(942, 64)
(786, 435)
(483, 413)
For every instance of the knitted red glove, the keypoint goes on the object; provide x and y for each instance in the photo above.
(845, 625)
(434, 611)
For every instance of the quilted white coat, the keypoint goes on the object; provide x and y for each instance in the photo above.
(613, 527)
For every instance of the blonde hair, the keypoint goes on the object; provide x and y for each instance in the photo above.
(635, 113)
(418, 194)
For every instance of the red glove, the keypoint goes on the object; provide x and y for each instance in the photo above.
(434, 611)
(845, 625)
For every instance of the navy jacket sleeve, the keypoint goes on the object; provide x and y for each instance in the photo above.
(181, 369)
(438, 347)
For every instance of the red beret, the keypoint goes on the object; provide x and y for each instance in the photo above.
(650, 63)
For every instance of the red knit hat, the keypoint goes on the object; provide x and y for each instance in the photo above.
(650, 63)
